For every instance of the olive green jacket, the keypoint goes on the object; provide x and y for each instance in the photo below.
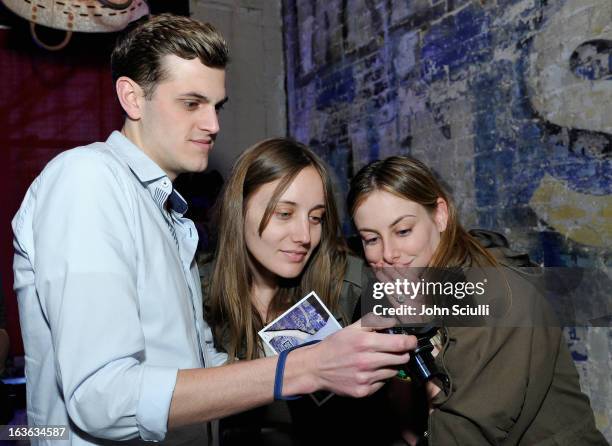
(511, 385)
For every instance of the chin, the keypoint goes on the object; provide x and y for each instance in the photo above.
(290, 273)
(200, 168)
(197, 164)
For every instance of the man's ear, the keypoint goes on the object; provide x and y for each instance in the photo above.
(131, 97)
(441, 214)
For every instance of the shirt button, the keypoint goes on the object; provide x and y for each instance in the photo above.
(165, 183)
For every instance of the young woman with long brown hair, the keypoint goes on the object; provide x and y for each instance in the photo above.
(279, 239)
(277, 216)
(508, 385)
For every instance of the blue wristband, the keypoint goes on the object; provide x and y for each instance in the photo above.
(280, 371)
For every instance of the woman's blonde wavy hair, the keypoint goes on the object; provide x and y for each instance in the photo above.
(410, 179)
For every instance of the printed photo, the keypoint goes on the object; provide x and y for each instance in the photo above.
(308, 320)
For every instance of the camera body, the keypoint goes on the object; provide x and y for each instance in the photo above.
(422, 365)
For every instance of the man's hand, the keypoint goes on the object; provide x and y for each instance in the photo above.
(356, 360)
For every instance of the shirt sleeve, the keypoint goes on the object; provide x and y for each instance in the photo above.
(86, 270)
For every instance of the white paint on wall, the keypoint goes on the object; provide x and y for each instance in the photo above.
(558, 95)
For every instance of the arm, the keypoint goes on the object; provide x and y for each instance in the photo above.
(354, 361)
(76, 228)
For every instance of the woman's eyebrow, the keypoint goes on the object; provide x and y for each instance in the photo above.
(398, 219)
(293, 203)
(367, 230)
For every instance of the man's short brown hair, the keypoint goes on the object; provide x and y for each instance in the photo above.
(139, 50)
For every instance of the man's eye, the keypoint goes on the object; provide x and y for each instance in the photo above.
(219, 107)
(191, 105)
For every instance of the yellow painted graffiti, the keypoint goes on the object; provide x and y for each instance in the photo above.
(584, 218)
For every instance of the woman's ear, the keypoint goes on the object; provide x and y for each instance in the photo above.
(130, 96)
(441, 214)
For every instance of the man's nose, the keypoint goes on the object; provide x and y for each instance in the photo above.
(209, 120)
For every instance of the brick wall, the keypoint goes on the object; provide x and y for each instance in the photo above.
(508, 100)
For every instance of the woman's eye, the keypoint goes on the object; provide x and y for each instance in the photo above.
(404, 232)
(370, 241)
(283, 215)
(316, 219)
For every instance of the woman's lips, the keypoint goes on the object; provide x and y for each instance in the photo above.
(295, 256)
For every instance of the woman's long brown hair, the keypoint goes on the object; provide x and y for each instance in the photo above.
(231, 313)
(410, 179)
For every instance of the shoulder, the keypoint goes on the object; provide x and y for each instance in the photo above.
(83, 172)
(499, 247)
(354, 273)
(94, 161)
(89, 179)
(79, 175)
(353, 283)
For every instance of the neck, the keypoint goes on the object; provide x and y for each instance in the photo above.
(133, 131)
(263, 289)
(261, 298)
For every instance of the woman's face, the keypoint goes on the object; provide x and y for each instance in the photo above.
(398, 232)
(294, 230)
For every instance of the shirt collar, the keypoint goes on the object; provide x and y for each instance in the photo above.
(177, 202)
(148, 172)
(143, 167)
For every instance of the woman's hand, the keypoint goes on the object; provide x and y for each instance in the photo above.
(405, 297)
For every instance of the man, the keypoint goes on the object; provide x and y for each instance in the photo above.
(108, 288)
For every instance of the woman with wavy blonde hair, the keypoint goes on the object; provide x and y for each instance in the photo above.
(511, 384)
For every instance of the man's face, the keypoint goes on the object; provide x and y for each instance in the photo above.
(179, 123)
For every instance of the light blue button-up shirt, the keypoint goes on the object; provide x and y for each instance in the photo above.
(109, 295)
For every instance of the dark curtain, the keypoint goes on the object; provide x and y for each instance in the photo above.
(49, 102)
